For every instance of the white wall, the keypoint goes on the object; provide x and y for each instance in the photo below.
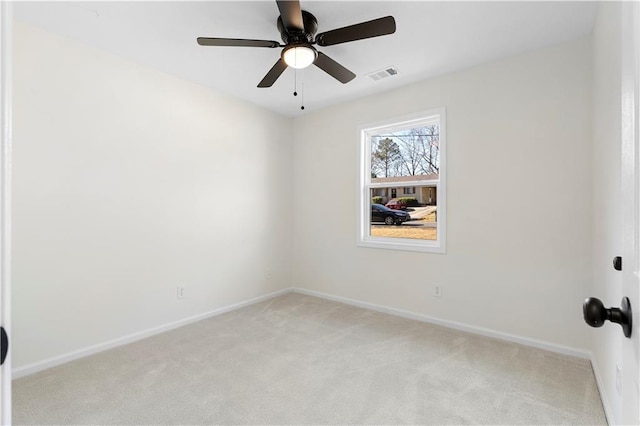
(607, 214)
(519, 260)
(126, 184)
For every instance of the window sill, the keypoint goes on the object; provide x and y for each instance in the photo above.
(402, 244)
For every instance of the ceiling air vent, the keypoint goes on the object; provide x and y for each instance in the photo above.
(382, 74)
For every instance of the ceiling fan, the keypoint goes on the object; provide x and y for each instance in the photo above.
(298, 30)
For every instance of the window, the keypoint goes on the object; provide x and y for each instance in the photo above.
(403, 156)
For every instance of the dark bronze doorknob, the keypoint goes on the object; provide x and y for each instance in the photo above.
(617, 263)
(4, 344)
(595, 314)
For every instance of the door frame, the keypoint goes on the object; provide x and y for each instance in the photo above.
(5, 202)
(630, 157)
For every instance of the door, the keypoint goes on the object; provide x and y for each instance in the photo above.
(5, 162)
(631, 208)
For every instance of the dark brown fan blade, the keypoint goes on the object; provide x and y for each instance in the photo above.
(236, 42)
(375, 28)
(333, 68)
(291, 14)
(273, 74)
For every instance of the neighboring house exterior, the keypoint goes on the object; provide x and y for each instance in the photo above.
(426, 193)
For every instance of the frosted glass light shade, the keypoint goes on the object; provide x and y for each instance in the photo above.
(299, 56)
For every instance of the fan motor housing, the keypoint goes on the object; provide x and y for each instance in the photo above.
(293, 37)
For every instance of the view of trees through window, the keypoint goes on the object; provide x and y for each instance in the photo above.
(409, 152)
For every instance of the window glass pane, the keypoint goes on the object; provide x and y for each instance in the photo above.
(412, 217)
(406, 153)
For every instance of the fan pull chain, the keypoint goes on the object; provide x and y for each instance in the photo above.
(302, 96)
(295, 83)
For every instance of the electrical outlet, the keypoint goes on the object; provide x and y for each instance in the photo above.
(437, 290)
(619, 379)
(180, 292)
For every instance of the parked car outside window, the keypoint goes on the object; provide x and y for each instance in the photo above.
(396, 204)
(380, 213)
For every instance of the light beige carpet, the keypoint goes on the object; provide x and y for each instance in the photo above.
(302, 360)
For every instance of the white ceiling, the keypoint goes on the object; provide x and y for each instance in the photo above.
(432, 38)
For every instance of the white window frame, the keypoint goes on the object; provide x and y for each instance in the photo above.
(365, 185)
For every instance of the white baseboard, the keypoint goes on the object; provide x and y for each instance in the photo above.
(90, 350)
(64, 358)
(552, 347)
(608, 410)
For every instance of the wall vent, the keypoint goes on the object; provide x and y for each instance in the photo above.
(384, 73)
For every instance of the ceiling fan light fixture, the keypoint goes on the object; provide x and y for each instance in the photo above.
(300, 56)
